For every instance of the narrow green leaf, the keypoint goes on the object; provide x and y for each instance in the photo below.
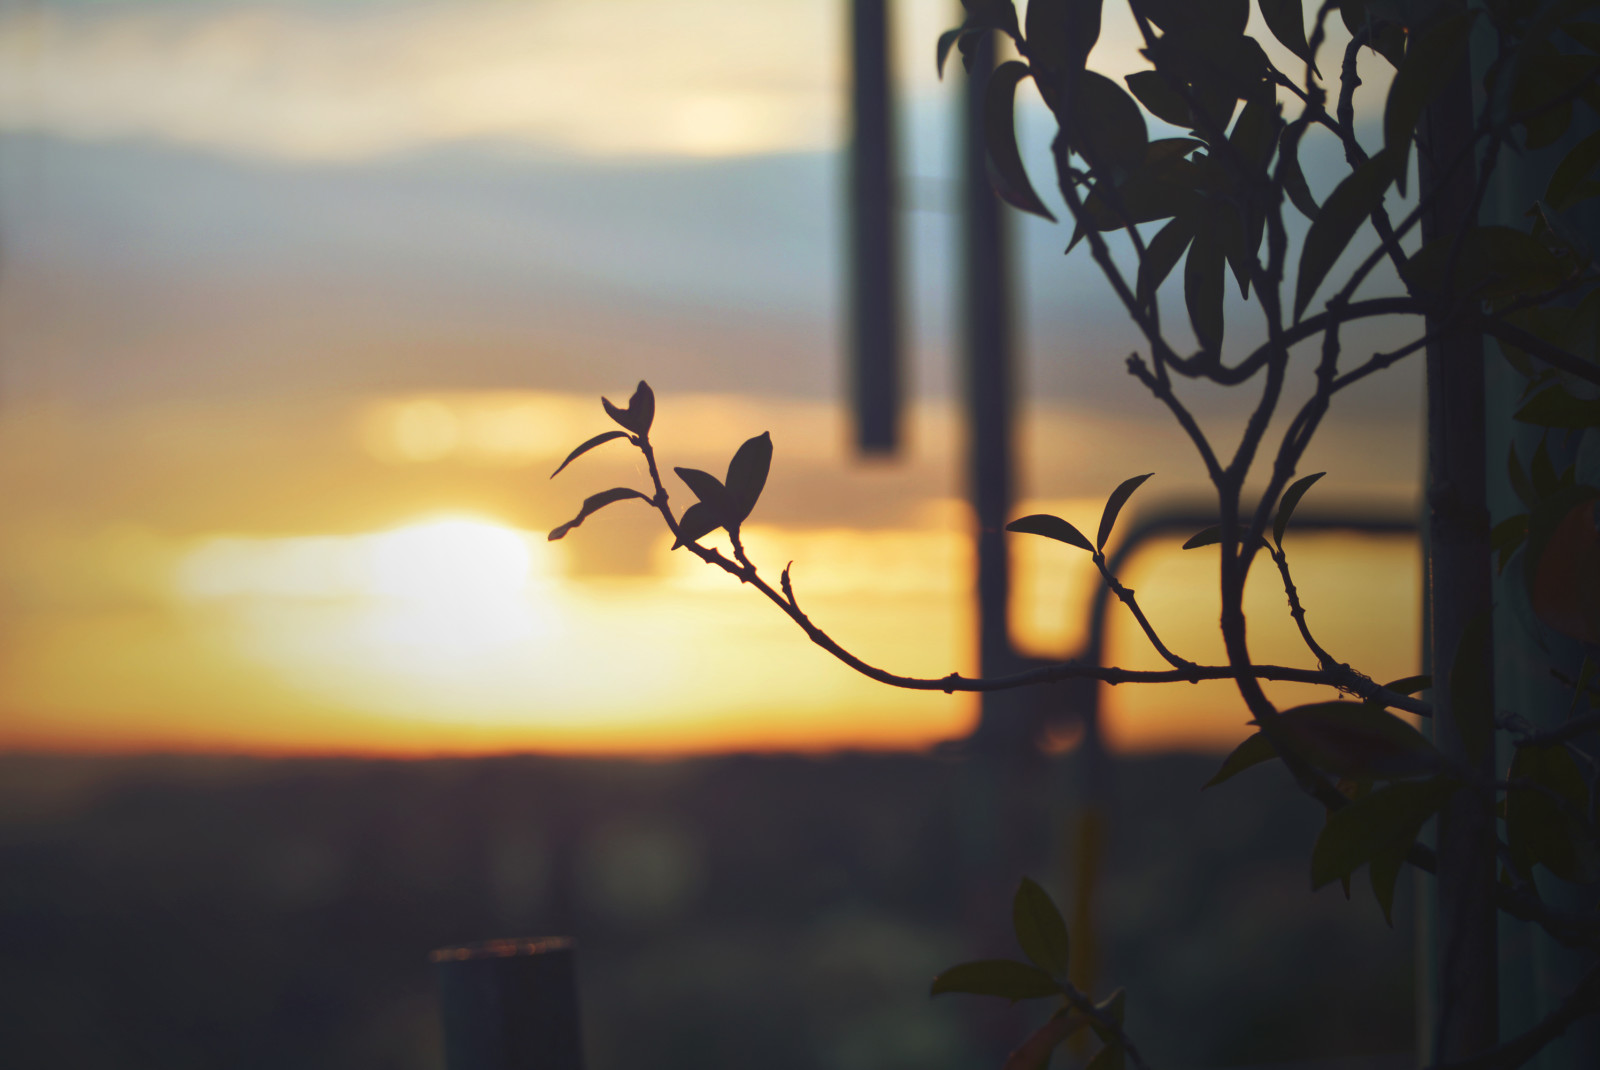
(1114, 504)
(598, 440)
(1491, 262)
(1432, 59)
(1288, 503)
(1350, 204)
(595, 502)
(996, 977)
(1009, 177)
(1381, 820)
(1203, 283)
(747, 476)
(1209, 537)
(1041, 931)
(1159, 98)
(1287, 23)
(1384, 870)
(1541, 830)
(1354, 740)
(1051, 527)
(1556, 407)
(1471, 698)
(641, 410)
(1567, 181)
(1161, 255)
(1256, 749)
(697, 521)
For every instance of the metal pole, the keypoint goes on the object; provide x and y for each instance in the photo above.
(1458, 590)
(987, 375)
(874, 235)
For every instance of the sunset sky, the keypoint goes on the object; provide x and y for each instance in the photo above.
(301, 304)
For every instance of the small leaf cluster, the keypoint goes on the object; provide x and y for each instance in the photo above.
(723, 503)
(1042, 935)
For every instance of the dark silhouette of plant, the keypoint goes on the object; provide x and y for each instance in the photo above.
(1217, 200)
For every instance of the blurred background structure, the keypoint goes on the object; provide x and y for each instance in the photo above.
(299, 305)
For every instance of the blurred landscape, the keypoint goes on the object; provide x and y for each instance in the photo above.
(300, 304)
(775, 910)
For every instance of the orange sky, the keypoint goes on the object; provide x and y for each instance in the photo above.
(302, 303)
(175, 582)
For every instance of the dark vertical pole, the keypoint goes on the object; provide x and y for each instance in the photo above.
(987, 375)
(874, 235)
(1459, 589)
(509, 1005)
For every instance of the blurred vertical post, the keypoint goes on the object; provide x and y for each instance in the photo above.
(874, 235)
(1459, 590)
(987, 379)
(509, 1005)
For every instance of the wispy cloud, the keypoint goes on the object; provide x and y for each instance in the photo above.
(635, 77)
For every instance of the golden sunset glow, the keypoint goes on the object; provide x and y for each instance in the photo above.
(304, 304)
(310, 623)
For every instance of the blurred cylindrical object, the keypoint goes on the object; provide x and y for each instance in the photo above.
(509, 1005)
(874, 235)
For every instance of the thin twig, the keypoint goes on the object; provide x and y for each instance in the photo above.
(1125, 595)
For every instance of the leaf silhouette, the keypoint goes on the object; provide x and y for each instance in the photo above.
(1294, 179)
(1253, 751)
(1203, 284)
(1114, 504)
(641, 410)
(1159, 98)
(1431, 60)
(1161, 255)
(1009, 177)
(697, 521)
(1286, 504)
(1382, 820)
(1103, 123)
(996, 977)
(1041, 932)
(709, 489)
(1287, 23)
(747, 476)
(1341, 215)
(1051, 527)
(591, 504)
(600, 439)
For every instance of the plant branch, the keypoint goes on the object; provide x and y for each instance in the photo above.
(1125, 595)
(1312, 326)
(1534, 346)
(1296, 610)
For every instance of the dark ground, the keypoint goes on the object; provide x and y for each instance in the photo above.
(780, 912)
